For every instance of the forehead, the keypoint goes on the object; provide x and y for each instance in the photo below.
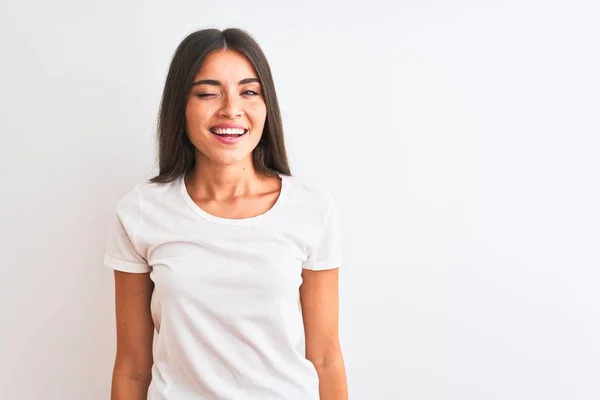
(226, 66)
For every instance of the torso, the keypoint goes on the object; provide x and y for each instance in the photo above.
(225, 303)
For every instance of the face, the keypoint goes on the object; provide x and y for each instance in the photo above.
(226, 110)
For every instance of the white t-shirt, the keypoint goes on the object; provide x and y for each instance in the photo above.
(226, 299)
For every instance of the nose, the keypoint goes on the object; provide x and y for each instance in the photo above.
(231, 107)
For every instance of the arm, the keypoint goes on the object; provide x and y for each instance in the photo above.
(320, 305)
(135, 332)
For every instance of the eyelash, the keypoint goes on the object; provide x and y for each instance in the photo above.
(205, 95)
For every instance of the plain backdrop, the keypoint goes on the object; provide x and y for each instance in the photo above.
(460, 139)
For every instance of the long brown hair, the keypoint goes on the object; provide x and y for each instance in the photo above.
(176, 154)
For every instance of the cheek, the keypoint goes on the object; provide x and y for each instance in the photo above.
(196, 114)
(258, 114)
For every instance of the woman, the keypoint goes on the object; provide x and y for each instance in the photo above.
(216, 250)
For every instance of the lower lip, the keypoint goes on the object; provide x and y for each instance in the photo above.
(229, 139)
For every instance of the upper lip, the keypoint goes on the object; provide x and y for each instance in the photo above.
(228, 126)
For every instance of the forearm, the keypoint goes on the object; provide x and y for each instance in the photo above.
(332, 380)
(127, 387)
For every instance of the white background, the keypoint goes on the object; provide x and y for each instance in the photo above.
(460, 138)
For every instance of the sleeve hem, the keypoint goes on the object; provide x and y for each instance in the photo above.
(322, 265)
(126, 266)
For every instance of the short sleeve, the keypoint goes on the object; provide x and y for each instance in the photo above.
(121, 252)
(326, 253)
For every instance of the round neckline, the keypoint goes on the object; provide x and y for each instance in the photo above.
(232, 221)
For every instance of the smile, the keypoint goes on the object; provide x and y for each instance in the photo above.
(229, 135)
(229, 131)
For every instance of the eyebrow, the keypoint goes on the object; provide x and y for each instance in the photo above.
(214, 82)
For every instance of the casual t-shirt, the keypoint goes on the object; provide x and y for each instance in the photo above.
(226, 298)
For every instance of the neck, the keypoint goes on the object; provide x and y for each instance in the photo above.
(213, 181)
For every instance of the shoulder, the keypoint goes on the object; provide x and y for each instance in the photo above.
(144, 192)
(310, 195)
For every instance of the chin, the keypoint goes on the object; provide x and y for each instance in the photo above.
(230, 160)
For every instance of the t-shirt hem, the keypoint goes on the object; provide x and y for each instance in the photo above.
(126, 266)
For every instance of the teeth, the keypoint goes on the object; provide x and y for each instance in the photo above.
(229, 131)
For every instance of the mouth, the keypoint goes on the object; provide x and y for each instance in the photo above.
(229, 135)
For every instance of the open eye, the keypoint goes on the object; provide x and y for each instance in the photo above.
(250, 93)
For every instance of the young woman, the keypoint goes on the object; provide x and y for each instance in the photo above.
(232, 260)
